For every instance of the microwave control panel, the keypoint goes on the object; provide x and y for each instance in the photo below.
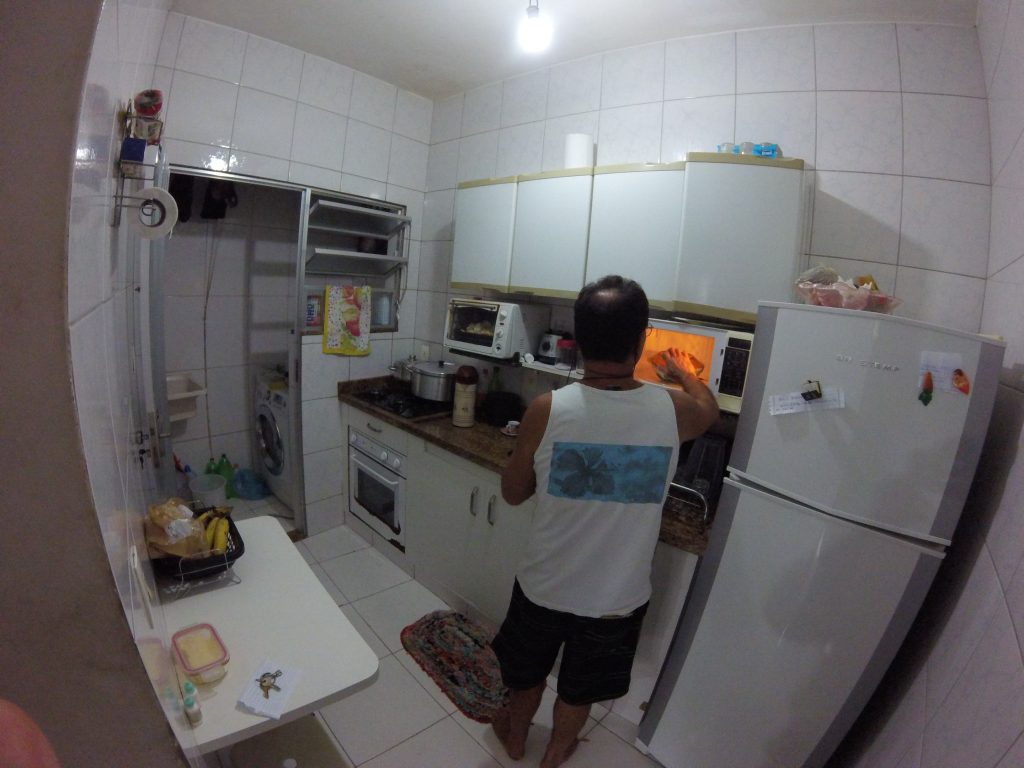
(735, 359)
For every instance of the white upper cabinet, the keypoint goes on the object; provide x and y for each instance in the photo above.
(484, 215)
(636, 227)
(552, 220)
(742, 225)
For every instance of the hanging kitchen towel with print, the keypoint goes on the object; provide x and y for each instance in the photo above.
(347, 320)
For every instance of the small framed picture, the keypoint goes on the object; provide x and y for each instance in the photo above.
(314, 310)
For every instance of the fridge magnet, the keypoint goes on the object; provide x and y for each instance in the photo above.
(943, 367)
(927, 386)
(961, 381)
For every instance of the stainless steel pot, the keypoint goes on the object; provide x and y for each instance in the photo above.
(433, 379)
(401, 370)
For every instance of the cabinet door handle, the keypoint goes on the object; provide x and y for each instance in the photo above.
(490, 508)
(372, 428)
(472, 501)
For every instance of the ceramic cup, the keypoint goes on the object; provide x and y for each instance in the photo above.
(512, 428)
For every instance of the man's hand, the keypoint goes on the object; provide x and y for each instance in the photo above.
(678, 363)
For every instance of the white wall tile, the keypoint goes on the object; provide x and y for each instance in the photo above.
(261, 166)
(438, 209)
(520, 149)
(697, 125)
(700, 66)
(406, 324)
(323, 472)
(992, 18)
(555, 131)
(227, 248)
(630, 135)
(856, 57)
(982, 717)
(940, 59)
(940, 137)
(139, 32)
(200, 109)
(376, 363)
(446, 119)
(314, 176)
(412, 116)
(185, 261)
(272, 67)
(324, 515)
(945, 226)
(321, 424)
(1006, 105)
(263, 123)
(435, 266)
(196, 155)
(319, 137)
(784, 118)
(884, 274)
(1007, 234)
(229, 409)
(367, 149)
(524, 98)
(778, 59)
(430, 314)
(478, 156)
(1004, 316)
(575, 87)
(373, 101)
(633, 76)
(211, 50)
(326, 84)
(443, 165)
(321, 373)
(407, 166)
(860, 131)
(857, 216)
(482, 109)
(359, 185)
(167, 54)
(274, 253)
(183, 340)
(225, 332)
(954, 301)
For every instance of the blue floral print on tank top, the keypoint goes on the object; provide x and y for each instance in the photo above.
(627, 474)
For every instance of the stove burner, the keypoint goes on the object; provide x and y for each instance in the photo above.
(403, 404)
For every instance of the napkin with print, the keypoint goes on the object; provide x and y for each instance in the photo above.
(268, 689)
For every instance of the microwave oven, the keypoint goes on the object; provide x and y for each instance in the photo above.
(496, 329)
(725, 355)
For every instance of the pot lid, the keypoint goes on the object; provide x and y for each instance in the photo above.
(441, 369)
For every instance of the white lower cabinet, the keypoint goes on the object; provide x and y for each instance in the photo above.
(463, 539)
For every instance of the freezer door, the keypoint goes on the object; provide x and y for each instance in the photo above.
(792, 620)
(884, 457)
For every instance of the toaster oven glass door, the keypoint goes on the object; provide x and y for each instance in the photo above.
(472, 323)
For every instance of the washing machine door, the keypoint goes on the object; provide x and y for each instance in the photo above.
(269, 442)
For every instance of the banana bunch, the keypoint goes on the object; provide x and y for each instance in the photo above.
(215, 525)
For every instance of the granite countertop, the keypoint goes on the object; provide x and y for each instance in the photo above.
(682, 523)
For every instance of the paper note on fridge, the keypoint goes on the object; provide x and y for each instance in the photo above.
(794, 402)
(945, 367)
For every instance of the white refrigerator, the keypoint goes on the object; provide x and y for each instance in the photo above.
(857, 442)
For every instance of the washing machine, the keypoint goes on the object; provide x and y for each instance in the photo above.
(272, 432)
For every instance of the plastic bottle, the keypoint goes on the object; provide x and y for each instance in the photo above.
(192, 710)
(225, 469)
(189, 689)
(464, 401)
(211, 467)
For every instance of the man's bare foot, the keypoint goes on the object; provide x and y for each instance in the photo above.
(552, 760)
(502, 725)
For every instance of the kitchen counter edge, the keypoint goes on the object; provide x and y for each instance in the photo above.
(682, 524)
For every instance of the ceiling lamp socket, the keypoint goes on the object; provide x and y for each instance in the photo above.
(535, 30)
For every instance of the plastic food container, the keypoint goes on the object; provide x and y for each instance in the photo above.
(201, 653)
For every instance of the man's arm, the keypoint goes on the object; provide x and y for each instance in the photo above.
(696, 408)
(519, 481)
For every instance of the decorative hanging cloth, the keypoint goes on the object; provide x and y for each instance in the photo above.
(347, 320)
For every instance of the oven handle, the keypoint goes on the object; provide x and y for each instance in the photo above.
(375, 470)
(372, 428)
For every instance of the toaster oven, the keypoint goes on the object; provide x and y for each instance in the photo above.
(496, 329)
(723, 353)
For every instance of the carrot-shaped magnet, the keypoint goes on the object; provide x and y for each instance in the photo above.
(927, 385)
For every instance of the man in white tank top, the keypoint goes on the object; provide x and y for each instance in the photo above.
(599, 455)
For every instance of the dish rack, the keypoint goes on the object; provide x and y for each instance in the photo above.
(181, 575)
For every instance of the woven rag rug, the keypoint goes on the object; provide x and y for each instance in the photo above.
(456, 652)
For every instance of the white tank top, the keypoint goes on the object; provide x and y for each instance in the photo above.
(603, 468)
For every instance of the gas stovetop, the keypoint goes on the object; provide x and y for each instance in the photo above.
(403, 404)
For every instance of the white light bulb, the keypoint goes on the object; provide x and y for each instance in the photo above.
(534, 31)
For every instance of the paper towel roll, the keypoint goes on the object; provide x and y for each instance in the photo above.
(579, 150)
(156, 215)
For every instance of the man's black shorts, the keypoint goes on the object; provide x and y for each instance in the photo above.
(596, 661)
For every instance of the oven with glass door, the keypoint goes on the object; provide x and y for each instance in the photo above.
(376, 486)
